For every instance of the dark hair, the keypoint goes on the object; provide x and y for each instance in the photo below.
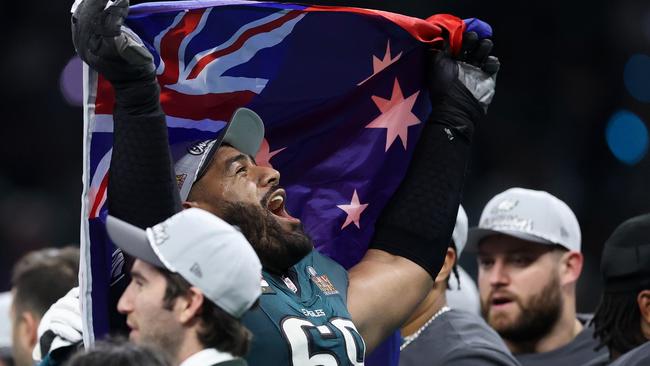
(119, 352)
(42, 277)
(617, 322)
(219, 329)
(454, 269)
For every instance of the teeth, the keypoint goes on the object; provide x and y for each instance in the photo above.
(277, 199)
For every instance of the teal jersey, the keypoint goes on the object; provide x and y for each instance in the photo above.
(303, 318)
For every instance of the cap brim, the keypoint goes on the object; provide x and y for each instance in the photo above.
(475, 235)
(244, 132)
(132, 240)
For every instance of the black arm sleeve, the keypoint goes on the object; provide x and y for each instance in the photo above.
(418, 221)
(142, 187)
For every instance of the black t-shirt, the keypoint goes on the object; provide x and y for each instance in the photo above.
(580, 351)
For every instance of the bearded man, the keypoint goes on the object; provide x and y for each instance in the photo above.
(529, 262)
(312, 312)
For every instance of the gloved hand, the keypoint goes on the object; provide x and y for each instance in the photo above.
(108, 47)
(116, 52)
(473, 66)
(60, 326)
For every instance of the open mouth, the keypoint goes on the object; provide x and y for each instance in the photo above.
(275, 205)
(499, 301)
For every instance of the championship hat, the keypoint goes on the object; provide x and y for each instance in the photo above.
(244, 132)
(206, 251)
(625, 263)
(530, 215)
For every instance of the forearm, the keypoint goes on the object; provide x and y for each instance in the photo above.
(142, 187)
(418, 220)
(387, 284)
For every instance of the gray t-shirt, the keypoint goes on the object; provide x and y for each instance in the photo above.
(639, 356)
(457, 337)
(579, 351)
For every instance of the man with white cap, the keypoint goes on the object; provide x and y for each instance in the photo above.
(439, 334)
(529, 262)
(193, 278)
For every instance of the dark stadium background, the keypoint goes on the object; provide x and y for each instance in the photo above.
(561, 81)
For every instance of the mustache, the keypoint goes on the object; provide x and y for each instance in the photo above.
(264, 202)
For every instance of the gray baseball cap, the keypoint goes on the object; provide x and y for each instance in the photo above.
(206, 251)
(244, 132)
(530, 215)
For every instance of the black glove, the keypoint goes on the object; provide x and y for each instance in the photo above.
(474, 68)
(117, 53)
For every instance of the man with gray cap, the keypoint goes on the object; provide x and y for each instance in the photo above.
(622, 319)
(439, 334)
(193, 278)
(529, 262)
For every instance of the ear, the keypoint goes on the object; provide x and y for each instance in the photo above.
(447, 267)
(643, 300)
(190, 304)
(570, 267)
(27, 325)
(190, 204)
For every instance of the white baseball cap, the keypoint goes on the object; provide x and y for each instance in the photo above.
(206, 251)
(245, 133)
(459, 236)
(530, 215)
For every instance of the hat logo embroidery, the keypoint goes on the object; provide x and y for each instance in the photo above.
(198, 148)
(160, 234)
(196, 269)
(180, 179)
(563, 232)
(505, 205)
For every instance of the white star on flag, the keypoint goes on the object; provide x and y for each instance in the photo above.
(265, 154)
(396, 115)
(354, 210)
(378, 65)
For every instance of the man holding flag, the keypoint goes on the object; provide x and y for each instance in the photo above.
(312, 311)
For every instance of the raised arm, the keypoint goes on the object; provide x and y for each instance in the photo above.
(414, 230)
(142, 188)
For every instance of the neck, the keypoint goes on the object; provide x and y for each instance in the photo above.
(189, 346)
(434, 301)
(562, 333)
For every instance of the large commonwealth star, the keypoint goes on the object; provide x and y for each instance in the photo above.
(396, 115)
(354, 210)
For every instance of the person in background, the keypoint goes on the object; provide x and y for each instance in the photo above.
(529, 259)
(439, 334)
(622, 318)
(6, 358)
(465, 296)
(38, 280)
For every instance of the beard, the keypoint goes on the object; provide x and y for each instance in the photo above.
(536, 318)
(278, 248)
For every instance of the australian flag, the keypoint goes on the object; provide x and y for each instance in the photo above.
(341, 91)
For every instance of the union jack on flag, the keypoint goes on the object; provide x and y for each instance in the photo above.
(341, 92)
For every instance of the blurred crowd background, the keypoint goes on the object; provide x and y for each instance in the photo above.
(570, 117)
